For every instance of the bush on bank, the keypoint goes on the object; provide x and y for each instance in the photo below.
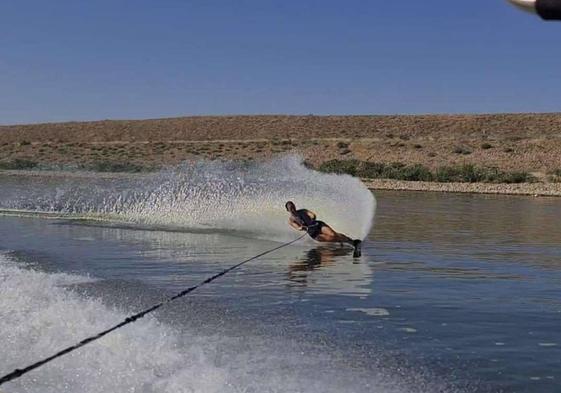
(17, 164)
(555, 176)
(466, 173)
(112, 166)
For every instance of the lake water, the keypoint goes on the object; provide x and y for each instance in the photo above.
(453, 293)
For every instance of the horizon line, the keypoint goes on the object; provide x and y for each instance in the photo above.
(443, 114)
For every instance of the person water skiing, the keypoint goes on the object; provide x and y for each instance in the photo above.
(306, 220)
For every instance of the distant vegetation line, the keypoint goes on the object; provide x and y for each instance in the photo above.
(466, 173)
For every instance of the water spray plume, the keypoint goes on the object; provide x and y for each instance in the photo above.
(212, 195)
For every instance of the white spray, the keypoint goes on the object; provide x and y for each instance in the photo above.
(223, 196)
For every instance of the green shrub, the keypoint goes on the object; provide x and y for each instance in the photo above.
(464, 174)
(399, 171)
(342, 145)
(467, 173)
(18, 163)
(348, 167)
(516, 177)
(112, 166)
(554, 176)
(486, 146)
(415, 173)
(393, 171)
(308, 164)
(461, 150)
(446, 174)
(471, 174)
(373, 170)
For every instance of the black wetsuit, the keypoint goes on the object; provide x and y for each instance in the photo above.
(313, 227)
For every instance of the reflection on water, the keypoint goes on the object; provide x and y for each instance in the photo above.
(313, 259)
(331, 270)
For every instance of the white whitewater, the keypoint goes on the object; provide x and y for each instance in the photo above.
(38, 317)
(216, 195)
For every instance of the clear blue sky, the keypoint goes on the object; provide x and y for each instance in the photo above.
(81, 60)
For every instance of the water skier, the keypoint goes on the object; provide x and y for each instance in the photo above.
(306, 220)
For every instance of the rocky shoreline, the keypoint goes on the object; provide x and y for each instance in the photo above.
(528, 189)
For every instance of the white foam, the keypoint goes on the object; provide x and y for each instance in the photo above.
(547, 344)
(373, 312)
(38, 317)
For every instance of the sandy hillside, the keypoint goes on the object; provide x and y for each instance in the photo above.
(524, 142)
